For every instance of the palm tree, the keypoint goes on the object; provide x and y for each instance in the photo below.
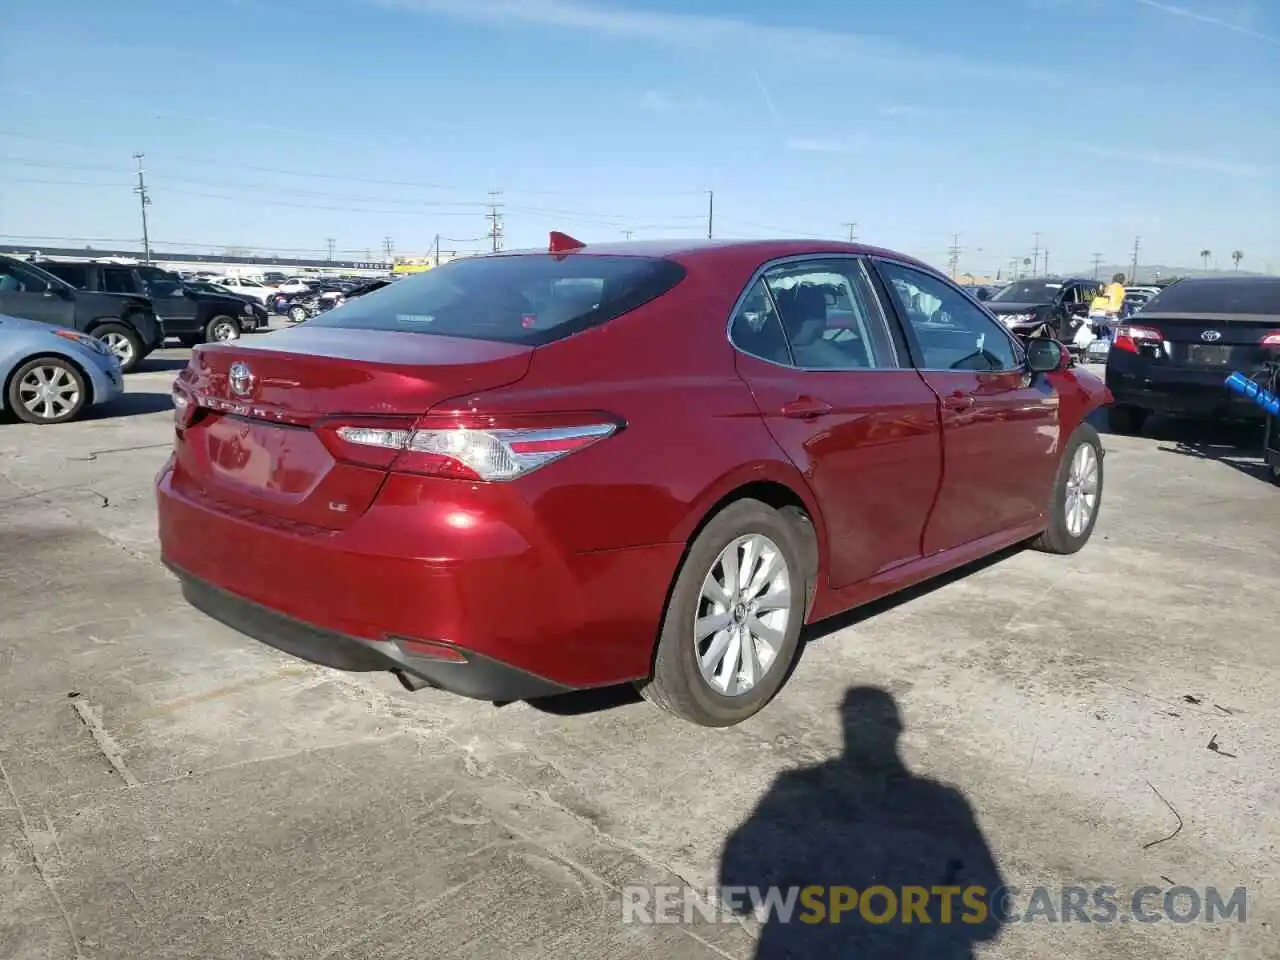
(1237, 256)
(1205, 255)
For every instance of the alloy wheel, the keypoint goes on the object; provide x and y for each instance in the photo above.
(742, 615)
(48, 391)
(1082, 489)
(119, 344)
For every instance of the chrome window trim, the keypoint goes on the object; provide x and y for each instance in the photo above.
(1018, 352)
(758, 275)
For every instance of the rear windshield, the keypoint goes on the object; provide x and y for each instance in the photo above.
(522, 298)
(1218, 296)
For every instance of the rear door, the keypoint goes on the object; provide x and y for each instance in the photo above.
(1000, 425)
(838, 394)
(179, 312)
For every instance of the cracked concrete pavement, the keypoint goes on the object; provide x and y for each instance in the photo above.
(169, 788)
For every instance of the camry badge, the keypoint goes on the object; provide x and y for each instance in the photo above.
(240, 377)
(1211, 336)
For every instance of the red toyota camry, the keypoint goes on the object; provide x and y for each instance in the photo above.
(533, 472)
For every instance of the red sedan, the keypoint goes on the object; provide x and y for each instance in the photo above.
(527, 473)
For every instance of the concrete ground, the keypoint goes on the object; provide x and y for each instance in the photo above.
(172, 789)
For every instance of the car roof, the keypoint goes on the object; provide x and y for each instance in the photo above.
(691, 252)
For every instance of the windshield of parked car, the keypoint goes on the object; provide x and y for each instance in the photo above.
(1252, 296)
(160, 283)
(1028, 291)
(526, 298)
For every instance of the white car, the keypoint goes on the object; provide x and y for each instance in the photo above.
(295, 285)
(246, 287)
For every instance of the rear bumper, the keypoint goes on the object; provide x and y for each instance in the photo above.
(1176, 392)
(494, 587)
(479, 677)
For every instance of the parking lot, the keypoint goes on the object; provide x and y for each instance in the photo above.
(173, 789)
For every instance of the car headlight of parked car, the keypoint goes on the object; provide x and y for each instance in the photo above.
(92, 343)
(248, 308)
(1011, 318)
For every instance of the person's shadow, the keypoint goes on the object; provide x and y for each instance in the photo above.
(858, 821)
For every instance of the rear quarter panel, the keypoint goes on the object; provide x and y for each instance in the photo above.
(692, 431)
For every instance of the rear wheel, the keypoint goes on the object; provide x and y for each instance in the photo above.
(124, 342)
(732, 625)
(47, 390)
(221, 329)
(1076, 495)
(297, 314)
(1126, 420)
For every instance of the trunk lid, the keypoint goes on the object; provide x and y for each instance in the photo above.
(1212, 341)
(249, 444)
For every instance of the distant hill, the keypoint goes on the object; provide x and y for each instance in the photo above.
(1149, 273)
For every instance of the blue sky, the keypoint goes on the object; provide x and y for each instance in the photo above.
(276, 125)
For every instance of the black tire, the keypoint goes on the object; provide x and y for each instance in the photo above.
(677, 684)
(1058, 536)
(222, 328)
(297, 314)
(57, 371)
(124, 342)
(1126, 420)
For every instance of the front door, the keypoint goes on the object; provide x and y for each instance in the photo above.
(823, 366)
(24, 293)
(1000, 425)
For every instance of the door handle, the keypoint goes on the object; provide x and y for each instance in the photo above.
(805, 408)
(958, 401)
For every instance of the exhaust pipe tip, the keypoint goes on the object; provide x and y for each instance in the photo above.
(410, 681)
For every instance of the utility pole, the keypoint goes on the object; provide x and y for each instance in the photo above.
(953, 260)
(626, 234)
(494, 216)
(1045, 258)
(330, 241)
(852, 227)
(1013, 267)
(711, 212)
(437, 249)
(1097, 265)
(1133, 271)
(144, 201)
(1035, 257)
(388, 249)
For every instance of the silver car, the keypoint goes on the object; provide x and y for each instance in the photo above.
(50, 374)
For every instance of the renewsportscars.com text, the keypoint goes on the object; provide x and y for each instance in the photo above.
(938, 904)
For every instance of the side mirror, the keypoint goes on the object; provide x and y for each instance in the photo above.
(1044, 355)
(62, 293)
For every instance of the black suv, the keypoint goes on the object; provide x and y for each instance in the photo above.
(192, 315)
(1062, 304)
(127, 323)
(1174, 357)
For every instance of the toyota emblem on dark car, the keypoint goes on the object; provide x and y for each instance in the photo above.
(1211, 336)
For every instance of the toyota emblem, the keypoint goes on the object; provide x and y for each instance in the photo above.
(240, 377)
(1211, 336)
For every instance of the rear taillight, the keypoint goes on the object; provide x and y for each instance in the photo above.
(465, 451)
(1271, 339)
(183, 406)
(1131, 337)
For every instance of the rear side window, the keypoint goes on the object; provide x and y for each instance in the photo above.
(1218, 296)
(521, 298)
(117, 280)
